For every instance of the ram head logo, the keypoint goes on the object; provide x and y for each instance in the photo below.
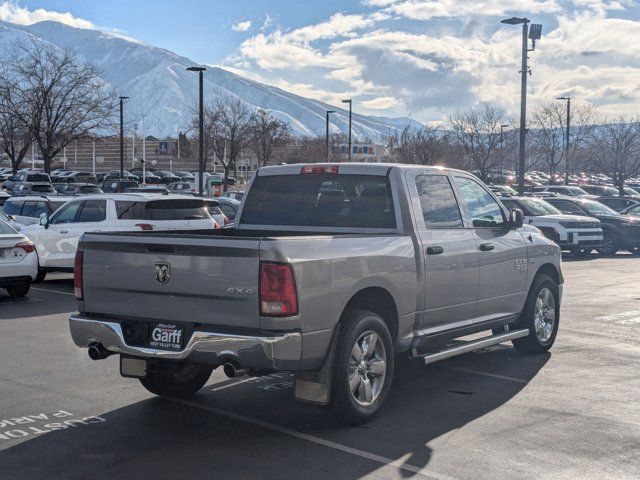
(163, 272)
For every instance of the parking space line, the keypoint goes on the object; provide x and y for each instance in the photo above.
(319, 441)
(52, 291)
(486, 374)
(231, 384)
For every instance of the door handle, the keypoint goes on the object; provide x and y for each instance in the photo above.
(62, 232)
(485, 247)
(437, 250)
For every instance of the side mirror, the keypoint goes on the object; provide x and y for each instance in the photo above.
(516, 218)
(12, 217)
(44, 220)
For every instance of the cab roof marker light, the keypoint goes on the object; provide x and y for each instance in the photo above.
(319, 169)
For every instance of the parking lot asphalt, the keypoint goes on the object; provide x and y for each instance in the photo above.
(492, 414)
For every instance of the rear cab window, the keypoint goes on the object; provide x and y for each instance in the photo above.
(320, 200)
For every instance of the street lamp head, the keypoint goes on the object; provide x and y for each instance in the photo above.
(563, 98)
(196, 69)
(515, 21)
(535, 31)
(330, 111)
(348, 100)
(123, 98)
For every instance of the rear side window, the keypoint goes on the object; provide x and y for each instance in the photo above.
(12, 208)
(439, 205)
(34, 209)
(568, 208)
(93, 211)
(182, 209)
(38, 177)
(228, 211)
(320, 200)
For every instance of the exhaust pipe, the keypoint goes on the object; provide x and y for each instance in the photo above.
(98, 352)
(232, 371)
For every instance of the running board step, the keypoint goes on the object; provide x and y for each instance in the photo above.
(472, 345)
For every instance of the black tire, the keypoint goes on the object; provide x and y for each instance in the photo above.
(635, 250)
(532, 343)
(40, 275)
(19, 290)
(580, 252)
(610, 243)
(354, 325)
(176, 380)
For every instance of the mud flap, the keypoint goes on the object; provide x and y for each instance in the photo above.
(314, 386)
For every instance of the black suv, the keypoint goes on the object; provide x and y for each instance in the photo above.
(620, 232)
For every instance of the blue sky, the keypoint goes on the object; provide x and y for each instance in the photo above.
(422, 58)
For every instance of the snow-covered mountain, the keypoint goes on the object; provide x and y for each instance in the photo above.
(162, 90)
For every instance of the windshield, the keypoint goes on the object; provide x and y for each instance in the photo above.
(596, 208)
(6, 229)
(536, 207)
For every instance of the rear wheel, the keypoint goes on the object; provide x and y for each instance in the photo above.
(541, 315)
(178, 380)
(19, 290)
(362, 367)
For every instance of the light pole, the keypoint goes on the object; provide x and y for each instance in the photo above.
(350, 102)
(566, 147)
(536, 31)
(200, 71)
(326, 136)
(122, 99)
(502, 127)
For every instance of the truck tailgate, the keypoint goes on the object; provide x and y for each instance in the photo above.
(199, 279)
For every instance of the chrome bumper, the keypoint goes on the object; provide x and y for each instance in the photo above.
(280, 352)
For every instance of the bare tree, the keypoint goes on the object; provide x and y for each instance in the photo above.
(615, 150)
(227, 128)
(267, 135)
(57, 97)
(549, 133)
(15, 138)
(423, 145)
(477, 133)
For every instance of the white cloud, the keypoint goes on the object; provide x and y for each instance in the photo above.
(12, 12)
(380, 103)
(458, 58)
(242, 26)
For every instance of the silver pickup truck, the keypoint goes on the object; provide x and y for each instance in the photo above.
(331, 271)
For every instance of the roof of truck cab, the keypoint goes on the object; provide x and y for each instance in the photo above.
(353, 168)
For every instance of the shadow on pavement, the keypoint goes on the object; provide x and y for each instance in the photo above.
(159, 438)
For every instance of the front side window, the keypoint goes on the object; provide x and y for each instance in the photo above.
(66, 214)
(93, 211)
(439, 205)
(483, 209)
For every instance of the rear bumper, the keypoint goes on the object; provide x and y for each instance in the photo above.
(278, 352)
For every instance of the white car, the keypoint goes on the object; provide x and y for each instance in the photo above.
(18, 261)
(56, 238)
(576, 233)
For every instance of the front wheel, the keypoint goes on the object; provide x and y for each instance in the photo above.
(610, 243)
(541, 315)
(176, 380)
(362, 367)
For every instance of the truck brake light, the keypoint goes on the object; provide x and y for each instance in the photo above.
(319, 169)
(278, 295)
(77, 275)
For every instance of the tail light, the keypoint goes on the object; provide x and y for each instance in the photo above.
(144, 226)
(28, 247)
(216, 225)
(77, 275)
(278, 295)
(226, 220)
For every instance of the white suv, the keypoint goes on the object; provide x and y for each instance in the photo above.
(56, 237)
(572, 232)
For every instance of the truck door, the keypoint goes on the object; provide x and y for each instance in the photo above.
(449, 251)
(502, 252)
